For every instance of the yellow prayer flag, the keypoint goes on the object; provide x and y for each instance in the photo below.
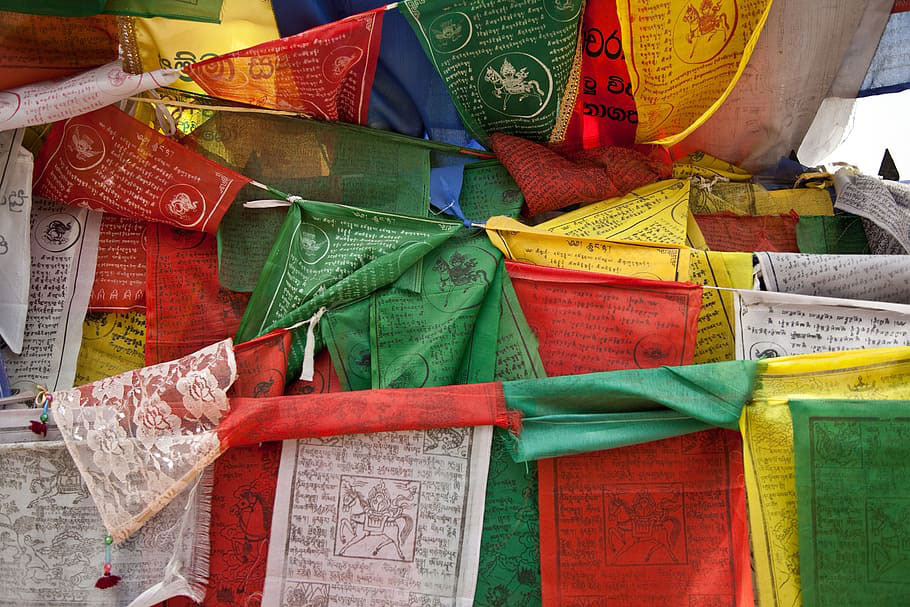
(641, 260)
(655, 213)
(112, 343)
(716, 322)
(754, 199)
(684, 56)
(694, 237)
(700, 164)
(880, 374)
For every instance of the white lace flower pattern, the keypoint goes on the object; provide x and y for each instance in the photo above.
(201, 395)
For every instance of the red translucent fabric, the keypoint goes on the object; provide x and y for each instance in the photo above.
(729, 232)
(120, 270)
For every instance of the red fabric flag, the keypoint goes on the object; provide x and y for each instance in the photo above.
(120, 271)
(662, 523)
(901, 6)
(587, 322)
(604, 112)
(325, 72)
(551, 181)
(108, 161)
(324, 378)
(261, 365)
(729, 232)
(186, 308)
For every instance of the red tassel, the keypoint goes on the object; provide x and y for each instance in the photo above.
(38, 427)
(107, 580)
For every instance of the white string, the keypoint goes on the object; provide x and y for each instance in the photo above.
(309, 350)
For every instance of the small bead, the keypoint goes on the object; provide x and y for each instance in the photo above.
(107, 569)
(49, 397)
(44, 417)
(108, 540)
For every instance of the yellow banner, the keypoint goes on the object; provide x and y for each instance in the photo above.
(716, 322)
(684, 56)
(641, 260)
(151, 44)
(753, 199)
(655, 213)
(112, 343)
(767, 430)
(700, 164)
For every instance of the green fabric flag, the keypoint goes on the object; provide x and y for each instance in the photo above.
(853, 501)
(59, 8)
(837, 234)
(509, 569)
(596, 411)
(193, 10)
(487, 190)
(346, 331)
(506, 63)
(328, 255)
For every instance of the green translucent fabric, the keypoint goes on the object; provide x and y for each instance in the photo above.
(329, 255)
(853, 501)
(346, 331)
(582, 413)
(59, 8)
(838, 234)
(188, 10)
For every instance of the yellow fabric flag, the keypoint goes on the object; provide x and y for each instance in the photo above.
(112, 343)
(684, 56)
(700, 164)
(716, 322)
(639, 259)
(151, 44)
(881, 374)
(754, 199)
(655, 213)
(694, 237)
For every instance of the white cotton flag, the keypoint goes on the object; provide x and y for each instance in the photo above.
(15, 247)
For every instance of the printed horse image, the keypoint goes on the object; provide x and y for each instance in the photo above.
(376, 516)
(509, 82)
(705, 22)
(646, 523)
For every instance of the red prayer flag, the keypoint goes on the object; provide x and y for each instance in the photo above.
(120, 271)
(604, 112)
(261, 365)
(325, 72)
(551, 181)
(745, 233)
(324, 378)
(186, 308)
(108, 161)
(662, 523)
(587, 322)
(901, 6)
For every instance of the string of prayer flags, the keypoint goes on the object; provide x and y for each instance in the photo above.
(509, 65)
(782, 324)
(108, 161)
(729, 232)
(15, 243)
(186, 308)
(868, 277)
(715, 341)
(684, 59)
(112, 343)
(550, 180)
(837, 235)
(35, 48)
(519, 242)
(594, 322)
(43, 102)
(64, 245)
(659, 523)
(327, 255)
(850, 532)
(120, 270)
(768, 447)
(325, 72)
(582, 413)
(151, 44)
(884, 206)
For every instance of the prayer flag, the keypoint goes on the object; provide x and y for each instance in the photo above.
(120, 270)
(840, 234)
(729, 232)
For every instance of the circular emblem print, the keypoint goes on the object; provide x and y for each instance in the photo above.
(83, 147)
(651, 118)
(450, 278)
(340, 61)
(408, 371)
(703, 28)
(183, 204)
(178, 237)
(653, 351)
(450, 32)
(766, 349)
(562, 10)
(314, 243)
(9, 105)
(58, 232)
(515, 84)
(118, 82)
(96, 326)
(359, 361)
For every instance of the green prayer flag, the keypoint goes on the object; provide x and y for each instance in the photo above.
(59, 8)
(596, 411)
(853, 501)
(517, 356)
(189, 10)
(506, 63)
(837, 234)
(487, 190)
(346, 331)
(328, 255)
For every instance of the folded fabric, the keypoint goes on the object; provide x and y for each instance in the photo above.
(582, 413)
(551, 181)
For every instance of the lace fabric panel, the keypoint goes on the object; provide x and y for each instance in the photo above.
(140, 438)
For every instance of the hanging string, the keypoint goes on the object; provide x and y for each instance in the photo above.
(43, 399)
(107, 580)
